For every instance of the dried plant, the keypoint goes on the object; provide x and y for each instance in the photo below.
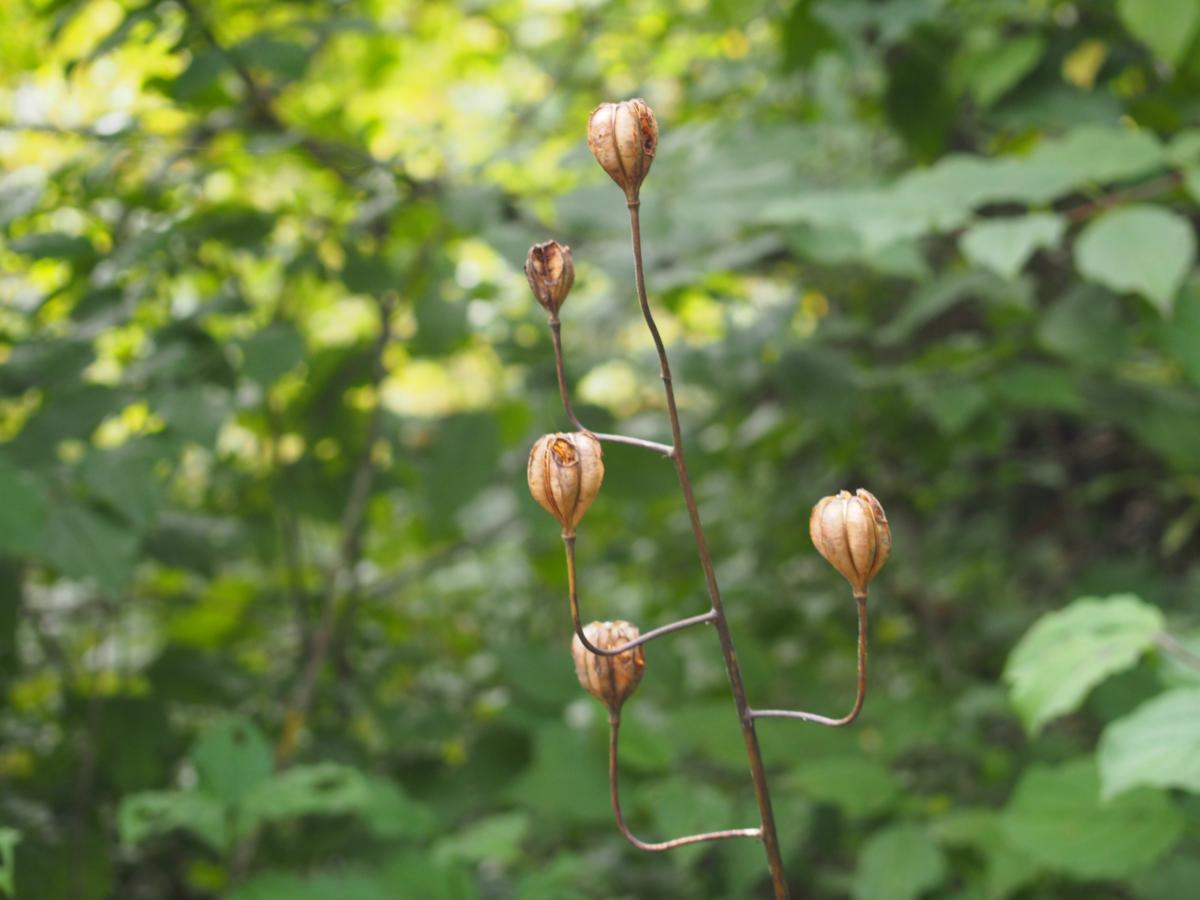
(566, 471)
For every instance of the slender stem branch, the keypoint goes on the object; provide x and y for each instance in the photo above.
(758, 771)
(353, 522)
(1176, 649)
(663, 449)
(573, 590)
(657, 847)
(556, 336)
(861, 600)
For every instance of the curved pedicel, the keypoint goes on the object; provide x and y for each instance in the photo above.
(659, 846)
(641, 639)
(862, 684)
(665, 450)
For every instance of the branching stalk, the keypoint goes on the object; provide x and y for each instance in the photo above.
(614, 723)
(860, 696)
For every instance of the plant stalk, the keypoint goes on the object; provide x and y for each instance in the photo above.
(758, 771)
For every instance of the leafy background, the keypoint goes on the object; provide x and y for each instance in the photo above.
(278, 617)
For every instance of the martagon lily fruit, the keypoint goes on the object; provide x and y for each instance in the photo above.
(610, 679)
(551, 274)
(565, 473)
(624, 138)
(852, 533)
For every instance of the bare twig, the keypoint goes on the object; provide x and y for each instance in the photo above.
(758, 771)
(556, 338)
(573, 591)
(614, 723)
(1175, 648)
(860, 696)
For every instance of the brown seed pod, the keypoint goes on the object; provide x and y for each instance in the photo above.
(610, 679)
(551, 273)
(624, 138)
(852, 533)
(565, 473)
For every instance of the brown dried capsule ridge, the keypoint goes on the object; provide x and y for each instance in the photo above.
(624, 138)
(610, 679)
(565, 472)
(852, 533)
(551, 273)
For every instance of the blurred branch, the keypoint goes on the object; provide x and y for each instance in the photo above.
(1148, 190)
(1176, 649)
(343, 573)
(347, 162)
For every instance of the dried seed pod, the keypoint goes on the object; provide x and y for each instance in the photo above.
(624, 137)
(565, 472)
(551, 274)
(852, 533)
(610, 679)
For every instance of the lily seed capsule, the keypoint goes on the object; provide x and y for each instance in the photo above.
(624, 138)
(565, 473)
(852, 533)
(610, 679)
(551, 273)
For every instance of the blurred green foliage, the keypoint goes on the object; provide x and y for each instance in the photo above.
(944, 249)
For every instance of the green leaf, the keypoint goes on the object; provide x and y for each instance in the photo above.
(9, 838)
(1158, 745)
(1086, 327)
(151, 813)
(20, 192)
(54, 245)
(83, 544)
(332, 789)
(496, 838)
(232, 758)
(1165, 26)
(1069, 652)
(804, 36)
(858, 785)
(22, 511)
(899, 863)
(195, 411)
(1005, 245)
(1180, 336)
(993, 73)
(1057, 817)
(1144, 248)
(275, 350)
(1005, 867)
(566, 780)
(124, 478)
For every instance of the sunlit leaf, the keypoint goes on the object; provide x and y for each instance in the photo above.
(1158, 745)
(1067, 653)
(1167, 27)
(901, 862)
(1145, 249)
(1056, 815)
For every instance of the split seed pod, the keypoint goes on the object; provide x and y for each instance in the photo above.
(610, 679)
(852, 533)
(624, 137)
(551, 274)
(565, 473)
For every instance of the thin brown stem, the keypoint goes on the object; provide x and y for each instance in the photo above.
(556, 336)
(573, 591)
(861, 600)
(758, 771)
(1172, 646)
(353, 522)
(657, 847)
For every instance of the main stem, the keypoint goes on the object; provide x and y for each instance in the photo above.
(757, 771)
